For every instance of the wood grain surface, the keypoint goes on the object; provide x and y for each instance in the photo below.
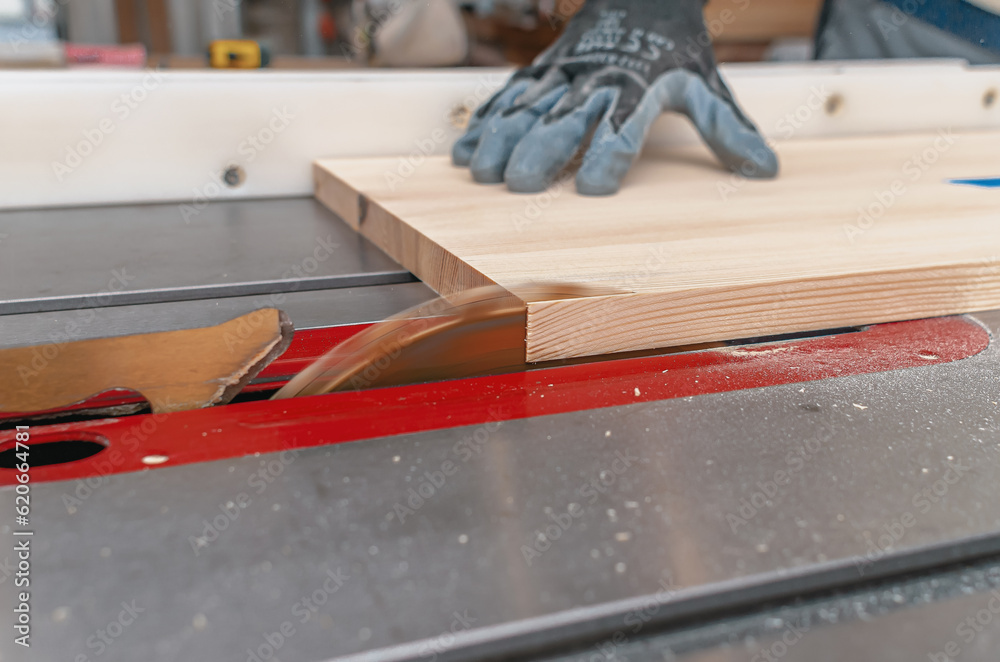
(855, 231)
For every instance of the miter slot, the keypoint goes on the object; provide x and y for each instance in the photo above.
(307, 310)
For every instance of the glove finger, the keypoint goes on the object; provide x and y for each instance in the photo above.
(617, 141)
(548, 81)
(464, 147)
(735, 140)
(551, 144)
(502, 134)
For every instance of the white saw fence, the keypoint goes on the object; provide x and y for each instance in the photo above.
(97, 137)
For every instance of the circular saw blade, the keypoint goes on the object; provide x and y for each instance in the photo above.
(478, 332)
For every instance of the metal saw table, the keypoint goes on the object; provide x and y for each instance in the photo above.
(850, 516)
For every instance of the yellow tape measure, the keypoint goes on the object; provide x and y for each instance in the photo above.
(237, 54)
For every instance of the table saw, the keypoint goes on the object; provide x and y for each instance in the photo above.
(819, 495)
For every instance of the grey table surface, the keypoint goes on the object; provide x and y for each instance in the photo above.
(87, 257)
(542, 518)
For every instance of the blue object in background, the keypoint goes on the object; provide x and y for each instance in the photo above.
(962, 19)
(983, 182)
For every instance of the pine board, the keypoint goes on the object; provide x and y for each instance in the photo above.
(703, 255)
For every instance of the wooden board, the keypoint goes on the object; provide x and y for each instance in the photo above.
(855, 231)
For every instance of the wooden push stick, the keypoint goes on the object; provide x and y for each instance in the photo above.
(173, 370)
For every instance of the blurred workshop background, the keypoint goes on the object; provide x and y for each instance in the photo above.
(311, 34)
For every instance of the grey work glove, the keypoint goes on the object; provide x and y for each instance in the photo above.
(618, 66)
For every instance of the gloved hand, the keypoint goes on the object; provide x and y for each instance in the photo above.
(618, 65)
